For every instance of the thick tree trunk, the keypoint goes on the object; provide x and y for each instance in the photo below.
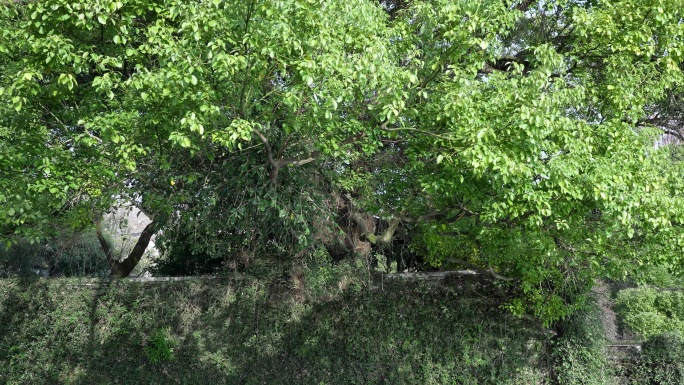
(121, 269)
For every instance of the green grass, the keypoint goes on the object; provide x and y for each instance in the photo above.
(240, 330)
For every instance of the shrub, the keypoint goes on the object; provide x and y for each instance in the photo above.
(238, 329)
(159, 347)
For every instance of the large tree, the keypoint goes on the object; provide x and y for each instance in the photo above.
(515, 138)
(165, 97)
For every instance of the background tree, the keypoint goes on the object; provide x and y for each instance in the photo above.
(534, 156)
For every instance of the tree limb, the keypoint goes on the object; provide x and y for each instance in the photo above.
(103, 243)
(416, 130)
(277, 164)
(442, 214)
(385, 237)
(273, 177)
(122, 269)
(489, 271)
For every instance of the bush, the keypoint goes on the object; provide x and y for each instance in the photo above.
(181, 256)
(159, 347)
(21, 259)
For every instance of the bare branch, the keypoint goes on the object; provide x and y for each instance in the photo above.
(104, 244)
(385, 237)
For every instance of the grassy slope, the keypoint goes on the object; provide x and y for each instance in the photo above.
(245, 331)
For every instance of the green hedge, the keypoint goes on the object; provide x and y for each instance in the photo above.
(240, 330)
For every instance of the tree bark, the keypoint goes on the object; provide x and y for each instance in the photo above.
(122, 269)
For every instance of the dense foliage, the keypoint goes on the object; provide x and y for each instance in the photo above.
(517, 138)
(74, 255)
(649, 312)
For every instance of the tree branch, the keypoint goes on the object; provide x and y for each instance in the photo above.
(277, 164)
(385, 237)
(442, 214)
(273, 177)
(124, 268)
(416, 130)
(489, 271)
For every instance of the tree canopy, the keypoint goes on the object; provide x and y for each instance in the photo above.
(526, 140)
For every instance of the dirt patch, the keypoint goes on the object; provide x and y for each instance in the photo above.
(608, 316)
